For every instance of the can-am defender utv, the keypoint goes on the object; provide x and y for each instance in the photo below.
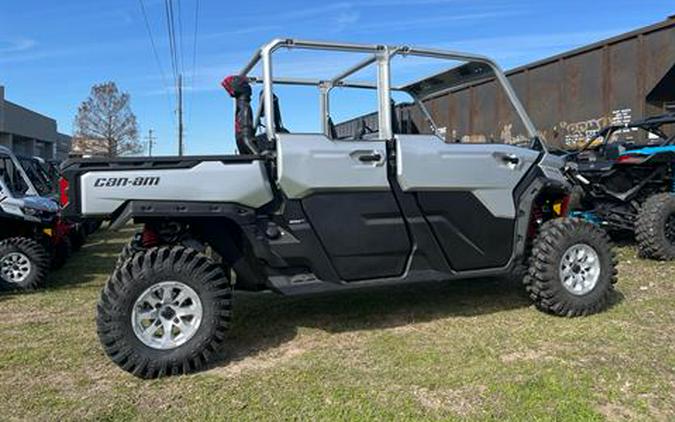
(306, 212)
(29, 227)
(625, 177)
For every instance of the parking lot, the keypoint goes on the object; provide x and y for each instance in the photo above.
(461, 350)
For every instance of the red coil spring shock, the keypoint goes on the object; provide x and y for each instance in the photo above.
(149, 237)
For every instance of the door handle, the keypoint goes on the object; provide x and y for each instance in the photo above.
(370, 158)
(511, 160)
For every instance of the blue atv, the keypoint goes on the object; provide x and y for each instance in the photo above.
(625, 177)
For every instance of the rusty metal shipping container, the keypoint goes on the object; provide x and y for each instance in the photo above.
(569, 96)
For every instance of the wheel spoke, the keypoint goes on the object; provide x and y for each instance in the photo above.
(186, 310)
(183, 326)
(166, 295)
(145, 314)
(181, 297)
(151, 329)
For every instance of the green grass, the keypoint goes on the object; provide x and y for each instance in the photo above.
(473, 350)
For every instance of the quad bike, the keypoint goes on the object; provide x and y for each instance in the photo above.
(300, 213)
(31, 232)
(625, 183)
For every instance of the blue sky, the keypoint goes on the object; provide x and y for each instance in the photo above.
(51, 52)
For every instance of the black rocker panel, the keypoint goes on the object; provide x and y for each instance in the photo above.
(470, 236)
(363, 233)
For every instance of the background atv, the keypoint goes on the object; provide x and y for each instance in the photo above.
(32, 235)
(626, 183)
(309, 212)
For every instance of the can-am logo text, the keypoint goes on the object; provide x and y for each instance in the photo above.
(109, 182)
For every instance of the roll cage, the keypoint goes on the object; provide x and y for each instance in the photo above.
(379, 55)
(651, 125)
(14, 179)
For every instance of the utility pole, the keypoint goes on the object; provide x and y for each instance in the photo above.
(151, 141)
(180, 114)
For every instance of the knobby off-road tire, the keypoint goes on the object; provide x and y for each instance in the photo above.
(572, 268)
(173, 287)
(655, 227)
(130, 249)
(517, 274)
(24, 264)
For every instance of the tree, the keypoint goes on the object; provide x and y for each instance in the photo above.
(105, 123)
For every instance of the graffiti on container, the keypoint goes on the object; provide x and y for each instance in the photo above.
(505, 137)
(570, 135)
(577, 133)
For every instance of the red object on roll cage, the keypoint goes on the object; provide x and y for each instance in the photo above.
(63, 191)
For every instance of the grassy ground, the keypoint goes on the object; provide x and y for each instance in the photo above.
(463, 350)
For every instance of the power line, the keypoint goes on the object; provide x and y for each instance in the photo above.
(180, 45)
(170, 25)
(155, 54)
(194, 62)
(176, 63)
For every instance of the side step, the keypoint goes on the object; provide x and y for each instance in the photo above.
(308, 284)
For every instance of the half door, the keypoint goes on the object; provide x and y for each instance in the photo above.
(466, 192)
(345, 194)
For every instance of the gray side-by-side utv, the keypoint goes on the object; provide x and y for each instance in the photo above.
(310, 212)
(30, 229)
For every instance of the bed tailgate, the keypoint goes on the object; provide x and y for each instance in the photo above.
(100, 190)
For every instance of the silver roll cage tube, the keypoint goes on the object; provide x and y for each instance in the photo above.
(381, 57)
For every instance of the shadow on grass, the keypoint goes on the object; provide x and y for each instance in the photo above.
(265, 321)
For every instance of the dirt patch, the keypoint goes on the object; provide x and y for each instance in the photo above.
(617, 412)
(462, 402)
(523, 355)
(270, 358)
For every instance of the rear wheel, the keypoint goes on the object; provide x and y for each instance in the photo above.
(655, 227)
(164, 312)
(23, 264)
(130, 249)
(572, 269)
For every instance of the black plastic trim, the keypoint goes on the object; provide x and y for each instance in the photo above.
(182, 209)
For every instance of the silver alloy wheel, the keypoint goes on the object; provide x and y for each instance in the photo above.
(580, 269)
(15, 267)
(166, 315)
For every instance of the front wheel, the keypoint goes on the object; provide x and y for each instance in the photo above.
(23, 264)
(655, 227)
(164, 312)
(572, 268)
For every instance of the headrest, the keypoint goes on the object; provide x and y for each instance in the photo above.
(236, 85)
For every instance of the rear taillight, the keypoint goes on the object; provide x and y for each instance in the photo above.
(630, 159)
(63, 191)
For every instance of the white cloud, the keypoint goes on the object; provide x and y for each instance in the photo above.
(16, 46)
